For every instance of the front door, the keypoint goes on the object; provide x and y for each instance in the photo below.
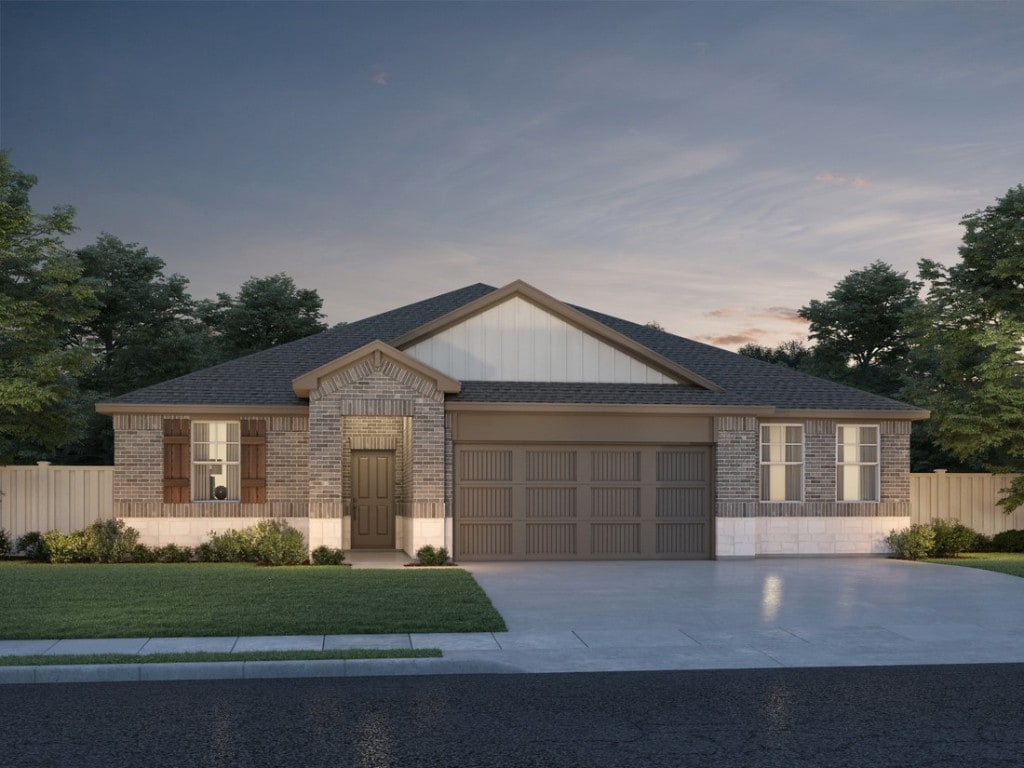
(373, 499)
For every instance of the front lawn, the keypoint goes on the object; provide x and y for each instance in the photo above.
(225, 599)
(1011, 563)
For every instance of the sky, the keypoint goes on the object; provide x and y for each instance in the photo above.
(711, 167)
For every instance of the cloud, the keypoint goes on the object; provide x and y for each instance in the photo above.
(783, 313)
(838, 180)
(734, 339)
(381, 77)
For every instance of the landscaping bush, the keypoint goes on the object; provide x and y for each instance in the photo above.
(324, 555)
(109, 541)
(231, 546)
(143, 554)
(66, 547)
(275, 542)
(32, 546)
(1008, 541)
(912, 543)
(951, 538)
(5, 542)
(429, 555)
(271, 542)
(172, 553)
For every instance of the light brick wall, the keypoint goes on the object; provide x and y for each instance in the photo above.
(736, 466)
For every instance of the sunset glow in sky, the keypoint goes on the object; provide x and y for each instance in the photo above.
(709, 166)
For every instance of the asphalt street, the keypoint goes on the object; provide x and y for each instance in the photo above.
(875, 716)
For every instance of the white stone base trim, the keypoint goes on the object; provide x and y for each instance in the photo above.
(193, 531)
(763, 536)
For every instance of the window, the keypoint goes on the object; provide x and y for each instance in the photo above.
(857, 464)
(215, 461)
(782, 462)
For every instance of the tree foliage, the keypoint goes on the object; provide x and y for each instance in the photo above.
(792, 354)
(860, 330)
(42, 289)
(267, 311)
(968, 362)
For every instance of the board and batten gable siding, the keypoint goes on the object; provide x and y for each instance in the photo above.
(518, 341)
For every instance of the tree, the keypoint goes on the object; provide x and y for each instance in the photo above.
(860, 330)
(792, 354)
(968, 364)
(267, 311)
(42, 291)
(144, 331)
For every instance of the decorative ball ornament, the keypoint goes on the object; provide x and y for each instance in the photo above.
(220, 493)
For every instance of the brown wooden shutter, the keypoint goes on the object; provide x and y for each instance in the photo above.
(177, 460)
(254, 461)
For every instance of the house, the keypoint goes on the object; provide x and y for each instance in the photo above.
(505, 424)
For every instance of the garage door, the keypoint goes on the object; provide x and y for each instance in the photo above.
(573, 502)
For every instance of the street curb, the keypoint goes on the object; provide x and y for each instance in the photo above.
(246, 670)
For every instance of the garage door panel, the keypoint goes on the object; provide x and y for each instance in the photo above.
(484, 465)
(484, 502)
(546, 466)
(615, 466)
(681, 502)
(682, 539)
(551, 502)
(482, 541)
(614, 502)
(682, 465)
(551, 540)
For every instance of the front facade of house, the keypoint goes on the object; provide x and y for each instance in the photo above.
(504, 424)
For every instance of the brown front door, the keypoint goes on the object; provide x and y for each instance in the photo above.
(373, 502)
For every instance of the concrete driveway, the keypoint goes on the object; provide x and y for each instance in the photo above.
(784, 612)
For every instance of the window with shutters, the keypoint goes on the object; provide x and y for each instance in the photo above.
(216, 461)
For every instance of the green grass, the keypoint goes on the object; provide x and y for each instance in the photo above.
(1011, 563)
(38, 660)
(225, 599)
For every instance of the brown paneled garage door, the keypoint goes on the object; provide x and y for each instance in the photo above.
(582, 502)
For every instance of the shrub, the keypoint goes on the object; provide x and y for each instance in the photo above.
(912, 543)
(110, 541)
(429, 555)
(143, 554)
(324, 555)
(5, 542)
(951, 538)
(231, 546)
(172, 553)
(32, 546)
(275, 542)
(66, 547)
(1008, 541)
(271, 542)
(982, 543)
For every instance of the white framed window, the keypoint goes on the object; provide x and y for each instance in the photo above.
(857, 463)
(216, 448)
(782, 462)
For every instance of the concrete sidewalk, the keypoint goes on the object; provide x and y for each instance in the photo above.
(588, 617)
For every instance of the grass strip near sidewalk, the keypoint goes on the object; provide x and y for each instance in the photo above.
(1011, 563)
(225, 599)
(348, 654)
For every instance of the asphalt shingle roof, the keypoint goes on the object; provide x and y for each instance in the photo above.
(265, 378)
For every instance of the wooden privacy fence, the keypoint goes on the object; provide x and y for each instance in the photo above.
(46, 497)
(969, 498)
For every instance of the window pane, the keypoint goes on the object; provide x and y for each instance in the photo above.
(793, 482)
(869, 454)
(868, 485)
(794, 453)
(794, 434)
